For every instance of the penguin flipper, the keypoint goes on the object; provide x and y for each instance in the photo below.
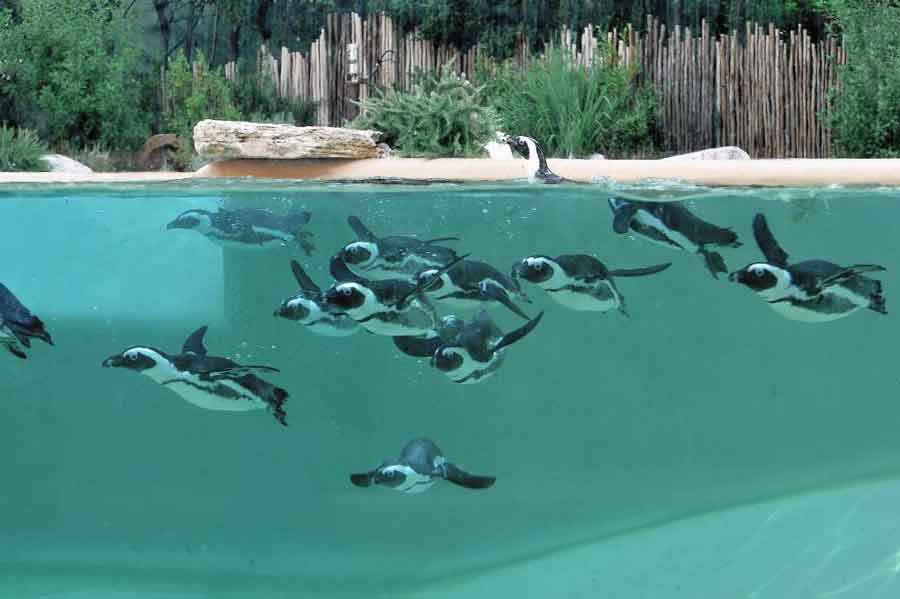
(363, 479)
(440, 239)
(194, 343)
(418, 347)
(360, 229)
(848, 273)
(640, 272)
(17, 351)
(714, 262)
(622, 215)
(513, 336)
(341, 272)
(460, 477)
(499, 294)
(766, 241)
(306, 283)
(422, 285)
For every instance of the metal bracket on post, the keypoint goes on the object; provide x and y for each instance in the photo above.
(352, 63)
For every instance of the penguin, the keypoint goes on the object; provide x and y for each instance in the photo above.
(672, 225)
(538, 171)
(307, 308)
(248, 228)
(579, 281)
(811, 291)
(393, 257)
(420, 465)
(389, 308)
(470, 284)
(18, 325)
(466, 352)
(208, 382)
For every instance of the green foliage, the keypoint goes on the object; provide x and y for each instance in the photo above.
(21, 150)
(257, 99)
(70, 72)
(865, 111)
(442, 115)
(574, 111)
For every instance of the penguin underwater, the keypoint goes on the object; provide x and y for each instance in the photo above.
(395, 257)
(672, 225)
(538, 170)
(467, 352)
(470, 284)
(208, 382)
(307, 308)
(579, 281)
(811, 291)
(247, 228)
(421, 464)
(18, 325)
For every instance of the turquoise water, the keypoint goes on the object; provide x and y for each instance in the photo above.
(705, 446)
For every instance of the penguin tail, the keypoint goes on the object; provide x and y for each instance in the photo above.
(460, 477)
(714, 261)
(849, 273)
(276, 401)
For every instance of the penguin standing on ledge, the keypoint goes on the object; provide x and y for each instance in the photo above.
(208, 382)
(809, 291)
(18, 325)
(674, 226)
(420, 465)
(538, 171)
(579, 281)
(308, 308)
(248, 228)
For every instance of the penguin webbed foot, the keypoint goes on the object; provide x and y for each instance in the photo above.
(276, 405)
(460, 477)
(714, 262)
(17, 351)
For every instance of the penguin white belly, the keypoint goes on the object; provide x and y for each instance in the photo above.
(190, 388)
(407, 268)
(842, 302)
(333, 327)
(472, 371)
(414, 482)
(585, 301)
(244, 246)
(414, 320)
(648, 220)
(461, 303)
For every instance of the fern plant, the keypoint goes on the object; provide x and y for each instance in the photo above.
(441, 115)
(21, 150)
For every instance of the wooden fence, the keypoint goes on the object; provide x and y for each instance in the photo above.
(764, 91)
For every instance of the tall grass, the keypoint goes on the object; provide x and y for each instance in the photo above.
(573, 111)
(21, 150)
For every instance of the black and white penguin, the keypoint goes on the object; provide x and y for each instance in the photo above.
(528, 148)
(390, 308)
(809, 291)
(307, 307)
(579, 281)
(470, 285)
(467, 352)
(674, 226)
(420, 465)
(248, 228)
(18, 325)
(208, 382)
(393, 257)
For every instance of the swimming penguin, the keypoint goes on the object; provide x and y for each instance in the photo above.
(420, 465)
(672, 225)
(470, 284)
(393, 257)
(537, 164)
(307, 308)
(467, 352)
(248, 228)
(580, 282)
(391, 307)
(208, 382)
(809, 291)
(18, 325)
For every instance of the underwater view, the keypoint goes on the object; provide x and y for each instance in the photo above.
(263, 389)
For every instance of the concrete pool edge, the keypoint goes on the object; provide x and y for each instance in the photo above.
(719, 173)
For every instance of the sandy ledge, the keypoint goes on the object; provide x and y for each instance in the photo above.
(770, 173)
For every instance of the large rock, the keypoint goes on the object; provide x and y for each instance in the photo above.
(723, 153)
(236, 139)
(57, 163)
(155, 153)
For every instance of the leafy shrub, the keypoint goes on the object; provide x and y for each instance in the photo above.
(441, 115)
(72, 74)
(571, 110)
(865, 111)
(21, 150)
(256, 97)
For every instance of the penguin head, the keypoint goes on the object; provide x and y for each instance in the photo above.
(192, 219)
(360, 254)
(138, 359)
(297, 308)
(390, 476)
(432, 280)
(535, 269)
(519, 143)
(346, 296)
(759, 276)
(447, 359)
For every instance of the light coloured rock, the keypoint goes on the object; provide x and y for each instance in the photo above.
(237, 139)
(723, 153)
(596, 157)
(57, 163)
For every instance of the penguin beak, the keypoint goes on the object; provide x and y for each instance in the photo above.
(112, 362)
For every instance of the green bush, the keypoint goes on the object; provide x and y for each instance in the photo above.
(441, 115)
(865, 111)
(256, 97)
(72, 74)
(571, 110)
(21, 150)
